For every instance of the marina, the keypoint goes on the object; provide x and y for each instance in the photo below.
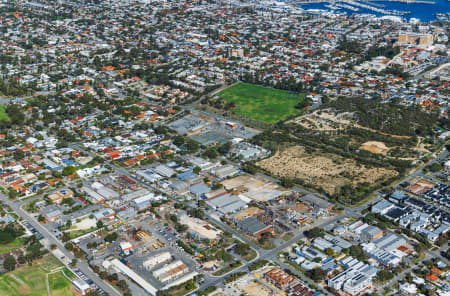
(414, 10)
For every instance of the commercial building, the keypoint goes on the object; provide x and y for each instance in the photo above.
(81, 286)
(357, 284)
(59, 195)
(104, 214)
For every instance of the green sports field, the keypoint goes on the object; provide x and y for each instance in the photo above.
(31, 280)
(264, 104)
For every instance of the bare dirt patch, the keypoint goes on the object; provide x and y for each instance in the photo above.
(328, 171)
(256, 188)
(257, 289)
(375, 147)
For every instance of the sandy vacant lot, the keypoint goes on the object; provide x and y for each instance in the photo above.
(328, 171)
(84, 224)
(204, 229)
(259, 189)
(375, 147)
(257, 289)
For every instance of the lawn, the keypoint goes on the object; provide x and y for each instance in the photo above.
(4, 248)
(3, 115)
(59, 285)
(264, 104)
(31, 280)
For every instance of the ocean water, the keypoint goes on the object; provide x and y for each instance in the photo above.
(424, 12)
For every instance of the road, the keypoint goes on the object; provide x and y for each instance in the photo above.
(53, 240)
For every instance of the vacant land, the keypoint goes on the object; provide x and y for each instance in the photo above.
(31, 280)
(375, 147)
(264, 104)
(256, 188)
(322, 170)
(257, 289)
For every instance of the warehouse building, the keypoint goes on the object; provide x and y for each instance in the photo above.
(370, 233)
(154, 261)
(389, 242)
(170, 271)
(227, 203)
(255, 228)
(122, 268)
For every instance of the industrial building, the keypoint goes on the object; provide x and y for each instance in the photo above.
(154, 261)
(227, 203)
(252, 226)
(122, 268)
(383, 257)
(170, 271)
(370, 233)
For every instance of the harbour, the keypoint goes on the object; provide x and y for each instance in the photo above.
(423, 10)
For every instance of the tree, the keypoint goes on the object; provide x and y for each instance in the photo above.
(197, 170)
(100, 224)
(53, 247)
(385, 275)
(317, 274)
(242, 249)
(435, 167)
(329, 252)
(18, 154)
(9, 263)
(178, 141)
(74, 262)
(69, 246)
(111, 237)
(122, 284)
(69, 170)
(315, 232)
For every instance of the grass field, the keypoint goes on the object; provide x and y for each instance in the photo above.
(3, 115)
(264, 104)
(11, 246)
(31, 280)
(77, 233)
